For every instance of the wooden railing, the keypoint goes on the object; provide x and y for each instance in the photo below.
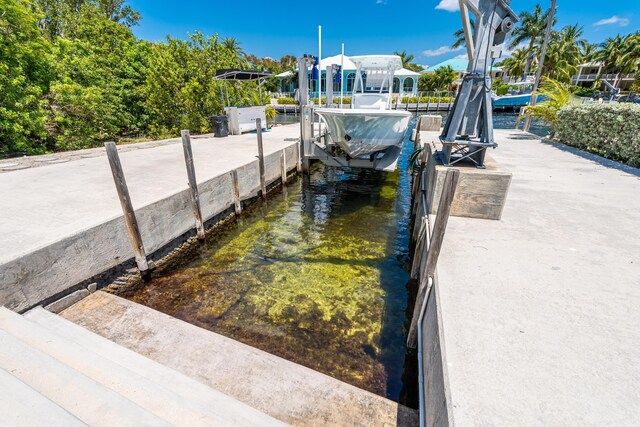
(427, 242)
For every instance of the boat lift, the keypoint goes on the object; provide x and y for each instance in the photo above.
(468, 131)
(320, 147)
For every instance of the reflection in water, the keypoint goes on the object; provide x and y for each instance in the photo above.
(317, 277)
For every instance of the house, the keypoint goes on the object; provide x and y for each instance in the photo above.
(591, 72)
(405, 82)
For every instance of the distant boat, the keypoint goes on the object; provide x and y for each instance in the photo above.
(370, 126)
(519, 96)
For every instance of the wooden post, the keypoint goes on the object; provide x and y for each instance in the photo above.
(127, 208)
(298, 158)
(263, 183)
(236, 192)
(439, 228)
(193, 184)
(283, 166)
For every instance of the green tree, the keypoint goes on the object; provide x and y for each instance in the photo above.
(459, 38)
(611, 50)
(531, 29)
(180, 90)
(100, 76)
(439, 80)
(556, 95)
(234, 48)
(407, 61)
(25, 76)
(515, 65)
(564, 54)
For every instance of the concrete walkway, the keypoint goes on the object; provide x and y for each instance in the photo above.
(540, 312)
(62, 222)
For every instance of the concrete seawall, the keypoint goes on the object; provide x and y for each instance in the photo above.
(42, 258)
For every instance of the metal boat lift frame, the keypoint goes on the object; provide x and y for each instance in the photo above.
(309, 148)
(468, 131)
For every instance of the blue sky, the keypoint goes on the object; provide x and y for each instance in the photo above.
(422, 27)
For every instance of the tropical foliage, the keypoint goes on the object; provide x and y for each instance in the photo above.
(567, 49)
(439, 80)
(407, 61)
(610, 130)
(73, 75)
(555, 96)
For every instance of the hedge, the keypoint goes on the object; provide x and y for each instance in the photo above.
(425, 99)
(609, 130)
(292, 101)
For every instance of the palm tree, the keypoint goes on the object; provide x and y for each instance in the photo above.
(611, 50)
(460, 39)
(234, 48)
(515, 65)
(407, 61)
(588, 51)
(557, 95)
(629, 62)
(531, 29)
(564, 54)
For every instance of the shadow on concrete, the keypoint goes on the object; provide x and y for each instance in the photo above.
(608, 163)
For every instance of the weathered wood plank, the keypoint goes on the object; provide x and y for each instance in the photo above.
(193, 183)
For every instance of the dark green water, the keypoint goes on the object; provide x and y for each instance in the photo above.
(318, 276)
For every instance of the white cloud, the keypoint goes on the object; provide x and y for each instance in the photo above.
(614, 20)
(449, 5)
(440, 51)
(462, 56)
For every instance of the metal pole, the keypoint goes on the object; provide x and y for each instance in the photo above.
(534, 96)
(319, 65)
(263, 183)
(193, 184)
(342, 76)
(127, 208)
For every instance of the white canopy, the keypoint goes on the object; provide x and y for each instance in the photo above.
(378, 62)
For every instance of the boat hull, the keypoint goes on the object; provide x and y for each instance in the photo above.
(362, 132)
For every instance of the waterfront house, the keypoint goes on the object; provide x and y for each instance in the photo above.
(405, 82)
(591, 72)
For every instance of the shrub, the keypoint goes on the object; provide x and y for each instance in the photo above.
(287, 101)
(424, 99)
(610, 130)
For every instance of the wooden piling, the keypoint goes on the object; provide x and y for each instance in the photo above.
(439, 229)
(127, 208)
(283, 166)
(236, 192)
(263, 182)
(193, 183)
(298, 158)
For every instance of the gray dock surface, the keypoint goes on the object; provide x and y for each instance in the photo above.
(540, 312)
(62, 223)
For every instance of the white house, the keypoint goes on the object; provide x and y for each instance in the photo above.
(405, 82)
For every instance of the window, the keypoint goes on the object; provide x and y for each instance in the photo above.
(396, 85)
(407, 87)
(350, 79)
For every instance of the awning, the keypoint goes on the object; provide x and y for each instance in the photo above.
(236, 74)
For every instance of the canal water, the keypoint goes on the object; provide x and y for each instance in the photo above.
(318, 276)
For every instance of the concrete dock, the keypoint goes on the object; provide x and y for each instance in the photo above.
(62, 223)
(535, 319)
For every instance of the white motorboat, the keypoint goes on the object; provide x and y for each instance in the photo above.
(370, 126)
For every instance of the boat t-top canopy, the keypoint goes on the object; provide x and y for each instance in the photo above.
(241, 75)
(377, 62)
(237, 74)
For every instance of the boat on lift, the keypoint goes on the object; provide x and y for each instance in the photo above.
(370, 126)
